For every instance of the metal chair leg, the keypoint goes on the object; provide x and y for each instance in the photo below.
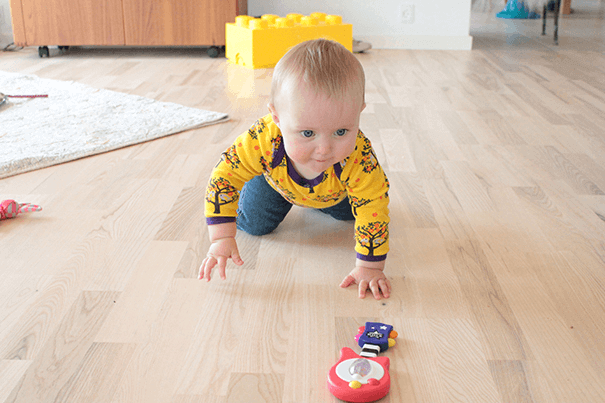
(544, 14)
(557, 10)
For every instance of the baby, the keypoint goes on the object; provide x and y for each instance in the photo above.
(307, 151)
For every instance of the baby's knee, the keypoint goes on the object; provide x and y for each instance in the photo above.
(257, 231)
(339, 215)
(344, 217)
(255, 228)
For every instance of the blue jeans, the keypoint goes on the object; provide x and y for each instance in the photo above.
(262, 208)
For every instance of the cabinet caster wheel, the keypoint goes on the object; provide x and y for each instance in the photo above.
(213, 52)
(43, 51)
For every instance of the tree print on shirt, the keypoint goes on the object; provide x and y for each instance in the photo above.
(371, 236)
(221, 192)
(343, 163)
(368, 161)
(331, 197)
(276, 143)
(264, 163)
(258, 127)
(287, 194)
(357, 202)
(231, 158)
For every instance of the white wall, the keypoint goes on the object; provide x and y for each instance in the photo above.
(6, 31)
(438, 24)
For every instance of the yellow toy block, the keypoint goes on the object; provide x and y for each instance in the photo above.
(260, 42)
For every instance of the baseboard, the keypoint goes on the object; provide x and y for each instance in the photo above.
(418, 42)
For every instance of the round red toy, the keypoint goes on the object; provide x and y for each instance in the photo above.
(364, 378)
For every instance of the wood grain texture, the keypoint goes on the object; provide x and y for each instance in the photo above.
(255, 388)
(183, 23)
(496, 160)
(65, 349)
(110, 359)
(18, 25)
(57, 22)
(511, 381)
(123, 22)
(11, 374)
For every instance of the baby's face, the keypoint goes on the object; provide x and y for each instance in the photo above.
(318, 132)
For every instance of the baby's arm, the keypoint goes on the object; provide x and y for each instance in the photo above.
(369, 275)
(222, 248)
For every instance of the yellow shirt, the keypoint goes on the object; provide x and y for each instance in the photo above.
(359, 177)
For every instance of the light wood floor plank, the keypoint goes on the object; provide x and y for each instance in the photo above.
(111, 360)
(581, 311)
(417, 348)
(143, 295)
(65, 349)
(496, 160)
(11, 373)
(552, 343)
(162, 354)
(409, 199)
(255, 388)
(498, 326)
(511, 381)
(459, 356)
(431, 277)
(316, 310)
(219, 314)
(28, 336)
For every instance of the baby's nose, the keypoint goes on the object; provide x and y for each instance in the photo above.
(323, 147)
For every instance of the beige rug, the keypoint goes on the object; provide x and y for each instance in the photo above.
(76, 121)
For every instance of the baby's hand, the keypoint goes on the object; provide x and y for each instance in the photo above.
(218, 253)
(374, 279)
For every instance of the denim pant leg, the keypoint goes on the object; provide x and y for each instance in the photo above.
(342, 211)
(261, 209)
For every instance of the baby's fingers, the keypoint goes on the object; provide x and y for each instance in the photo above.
(375, 288)
(363, 287)
(206, 268)
(347, 281)
(211, 262)
(380, 288)
(385, 286)
(222, 264)
(237, 259)
(202, 269)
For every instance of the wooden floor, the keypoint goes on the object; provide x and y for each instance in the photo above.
(497, 163)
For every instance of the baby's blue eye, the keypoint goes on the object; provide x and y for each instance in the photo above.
(341, 132)
(307, 133)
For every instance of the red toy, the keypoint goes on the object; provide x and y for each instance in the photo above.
(364, 378)
(10, 209)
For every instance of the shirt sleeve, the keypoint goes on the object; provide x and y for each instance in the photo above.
(249, 156)
(368, 189)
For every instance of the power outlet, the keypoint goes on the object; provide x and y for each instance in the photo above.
(407, 13)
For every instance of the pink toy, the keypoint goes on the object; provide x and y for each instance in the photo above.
(10, 209)
(364, 378)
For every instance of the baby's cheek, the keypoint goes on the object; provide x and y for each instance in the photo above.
(295, 149)
(347, 149)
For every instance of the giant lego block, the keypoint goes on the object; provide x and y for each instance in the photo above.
(260, 42)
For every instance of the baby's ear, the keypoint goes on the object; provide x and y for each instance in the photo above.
(273, 113)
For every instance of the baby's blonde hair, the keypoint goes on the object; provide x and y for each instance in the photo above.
(324, 66)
